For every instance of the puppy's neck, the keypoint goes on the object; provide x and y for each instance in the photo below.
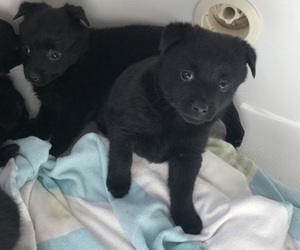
(154, 92)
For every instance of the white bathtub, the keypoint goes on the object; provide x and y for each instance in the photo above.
(269, 105)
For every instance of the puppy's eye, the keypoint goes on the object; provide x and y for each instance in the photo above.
(224, 86)
(187, 75)
(53, 55)
(26, 49)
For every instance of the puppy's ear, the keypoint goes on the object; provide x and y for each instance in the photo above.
(251, 58)
(76, 13)
(27, 8)
(174, 33)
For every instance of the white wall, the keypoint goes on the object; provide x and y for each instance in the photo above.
(269, 104)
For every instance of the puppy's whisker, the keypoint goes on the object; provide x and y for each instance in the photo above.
(168, 111)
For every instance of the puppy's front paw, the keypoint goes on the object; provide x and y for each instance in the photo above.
(118, 185)
(7, 152)
(235, 135)
(58, 148)
(188, 220)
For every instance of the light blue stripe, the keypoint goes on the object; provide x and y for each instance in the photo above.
(293, 197)
(264, 185)
(146, 222)
(80, 174)
(289, 194)
(80, 239)
(33, 153)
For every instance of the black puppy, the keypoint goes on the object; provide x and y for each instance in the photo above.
(72, 67)
(12, 108)
(163, 108)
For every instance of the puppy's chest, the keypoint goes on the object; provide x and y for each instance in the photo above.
(153, 147)
(157, 143)
(57, 95)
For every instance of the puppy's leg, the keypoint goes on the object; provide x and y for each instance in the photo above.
(62, 138)
(42, 126)
(120, 159)
(182, 175)
(7, 152)
(67, 129)
(9, 222)
(234, 128)
(61, 141)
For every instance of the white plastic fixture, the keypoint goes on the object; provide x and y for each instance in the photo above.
(235, 17)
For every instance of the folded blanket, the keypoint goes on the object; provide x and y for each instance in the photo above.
(65, 203)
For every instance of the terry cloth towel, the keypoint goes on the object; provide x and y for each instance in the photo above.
(65, 204)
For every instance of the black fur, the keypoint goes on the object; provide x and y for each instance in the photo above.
(10, 55)
(9, 222)
(160, 111)
(12, 108)
(234, 129)
(12, 113)
(74, 86)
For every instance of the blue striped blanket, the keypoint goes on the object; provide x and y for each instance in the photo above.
(65, 204)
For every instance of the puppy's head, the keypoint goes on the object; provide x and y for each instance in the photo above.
(12, 108)
(199, 70)
(53, 39)
(10, 55)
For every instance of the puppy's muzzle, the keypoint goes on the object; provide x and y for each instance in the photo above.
(34, 77)
(200, 109)
(197, 113)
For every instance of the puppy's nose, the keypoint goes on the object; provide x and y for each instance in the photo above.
(200, 108)
(34, 77)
